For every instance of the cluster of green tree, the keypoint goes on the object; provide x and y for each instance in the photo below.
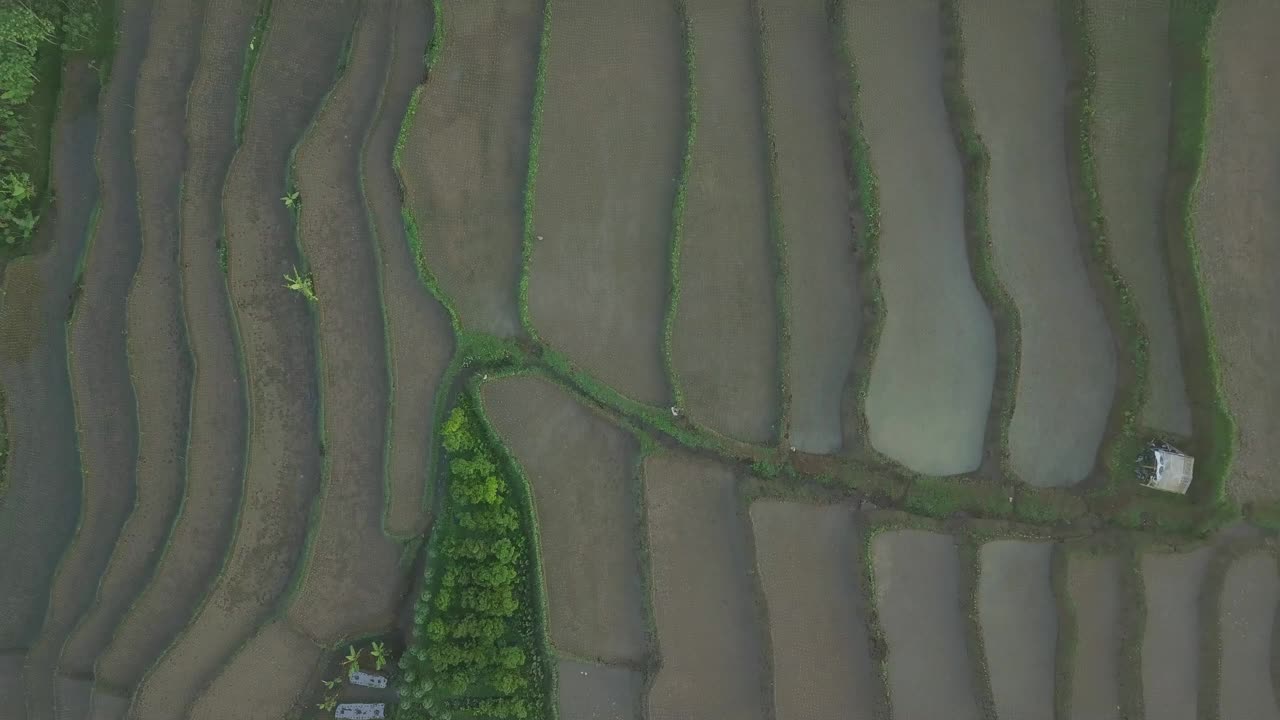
(29, 28)
(475, 649)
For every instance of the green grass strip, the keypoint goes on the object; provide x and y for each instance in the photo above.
(681, 199)
(531, 176)
(256, 38)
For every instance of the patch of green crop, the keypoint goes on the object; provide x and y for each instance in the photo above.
(681, 199)
(941, 498)
(257, 36)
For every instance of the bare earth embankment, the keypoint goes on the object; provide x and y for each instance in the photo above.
(823, 306)
(1094, 586)
(935, 363)
(1237, 224)
(1015, 74)
(1246, 624)
(724, 343)
(612, 133)
(709, 631)
(1171, 640)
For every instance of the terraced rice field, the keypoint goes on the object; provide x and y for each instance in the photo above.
(280, 652)
(1096, 597)
(1018, 616)
(822, 304)
(930, 388)
(1015, 75)
(1235, 221)
(606, 182)
(1131, 108)
(1171, 649)
(724, 340)
(1246, 623)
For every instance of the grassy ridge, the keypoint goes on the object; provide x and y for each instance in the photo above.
(256, 38)
(531, 177)
(681, 199)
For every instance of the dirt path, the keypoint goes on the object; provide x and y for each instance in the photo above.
(931, 379)
(725, 343)
(612, 135)
(101, 385)
(1237, 225)
(581, 469)
(38, 510)
(822, 662)
(1015, 75)
(1246, 622)
(1094, 584)
(1131, 144)
(419, 339)
(202, 530)
(294, 71)
(467, 156)
(157, 344)
(1171, 639)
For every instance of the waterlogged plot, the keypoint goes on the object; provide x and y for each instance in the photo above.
(581, 469)
(931, 379)
(466, 156)
(1015, 75)
(1171, 640)
(295, 69)
(1130, 144)
(1246, 623)
(709, 631)
(822, 303)
(1095, 594)
(1019, 627)
(612, 131)
(808, 565)
(1235, 220)
(598, 692)
(156, 334)
(419, 339)
(11, 690)
(215, 450)
(266, 681)
(41, 500)
(917, 595)
(724, 343)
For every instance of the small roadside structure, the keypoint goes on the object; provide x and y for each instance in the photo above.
(360, 711)
(1165, 468)
(369, 680)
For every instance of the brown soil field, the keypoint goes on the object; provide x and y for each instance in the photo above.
(1096, 597)
(419, 339)
(1019, 621)
(710, 634)
(917, 595)
(598, 692)
(1131, 107)
(931, 380)
(39, 507)
(269, 675)
(807, 559)
(1246, 626)
(724, 344)
(1235, 220)
(157, 342)
(294, 70)
(823, 304)
(606, 182)
(351, 580)
(1015, 74)
(467, 155)
(106, 418)
(582, 471)
(215, 452)
(1171, 640)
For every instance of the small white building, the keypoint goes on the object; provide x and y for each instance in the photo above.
(1171, 472)
(369, 680)
(361, 711)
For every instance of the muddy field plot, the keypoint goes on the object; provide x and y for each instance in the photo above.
(1131, 107)
(279, 652)
(931, 380)
(823, 306)
(917, 596)
(1015, 75)
(40, 504)
(1095, 594)
(156, 336)
(809, 568)
(598, 692)
(704, 599)
(296, 67)
(582, 470)
(1171, 649)
(1246, 627)
(1019, 621)
(1235, 220)
(419, 338)
(724, 343)
(606, 183)
(198, 540)
(466, 157)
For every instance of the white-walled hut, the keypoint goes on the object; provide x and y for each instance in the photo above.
(1169, 470)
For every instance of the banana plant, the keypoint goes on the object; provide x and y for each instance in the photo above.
(301, 285)
(329, 703)
(293, 200)
(379, 652)
(352, 660)
(332, 684)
